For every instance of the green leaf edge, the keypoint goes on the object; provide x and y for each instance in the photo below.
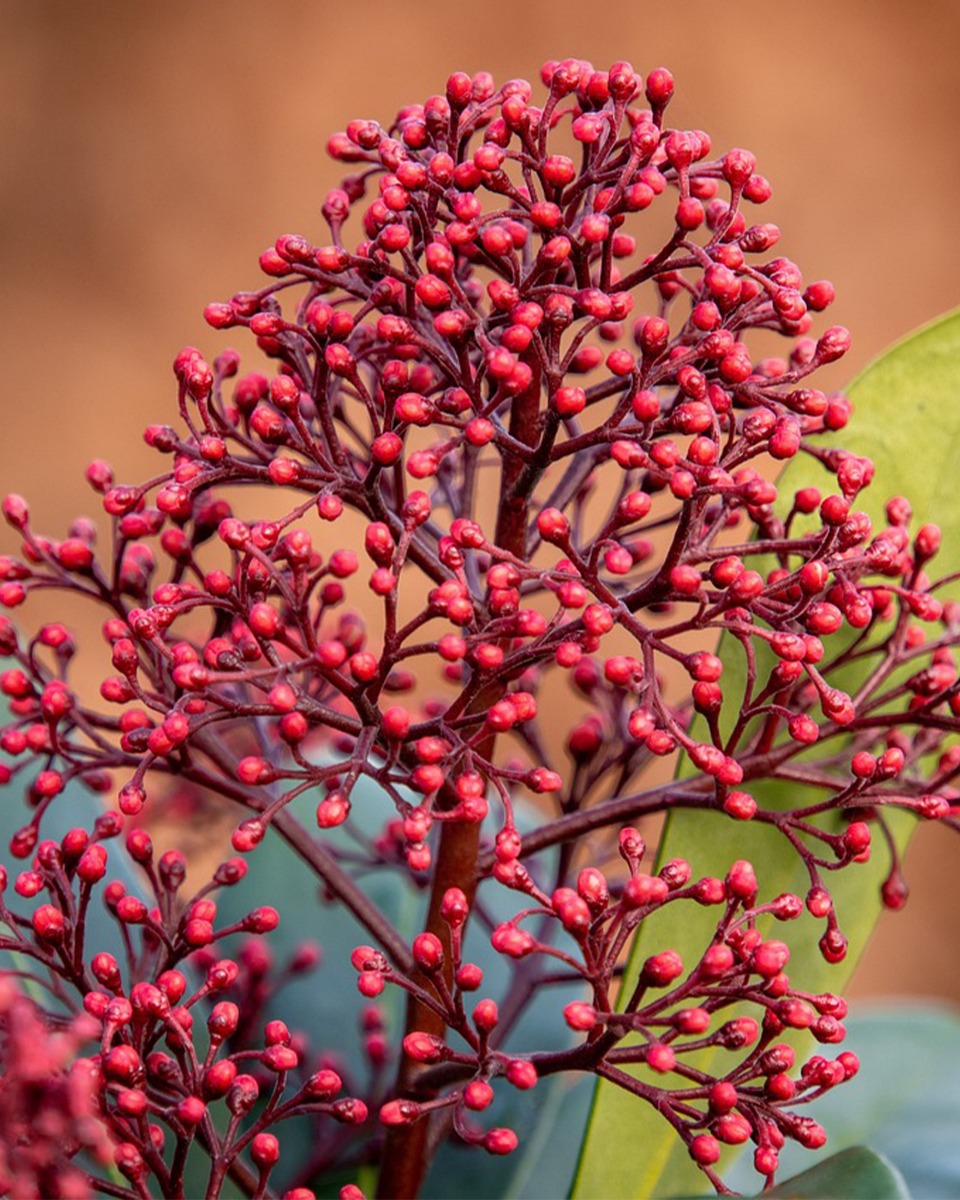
(867, 1167)
(874, 1176)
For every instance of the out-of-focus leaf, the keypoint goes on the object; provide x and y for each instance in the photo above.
(550, 1152)
(907, 421)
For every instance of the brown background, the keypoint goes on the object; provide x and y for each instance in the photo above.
(148, 152)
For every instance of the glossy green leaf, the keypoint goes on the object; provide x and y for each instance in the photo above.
(907, 421)
(854, 1174)
(857, 1173)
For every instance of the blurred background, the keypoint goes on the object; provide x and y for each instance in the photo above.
(148, 153)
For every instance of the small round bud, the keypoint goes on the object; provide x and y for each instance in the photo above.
(704, 1150)
(265, 1150)
(428, 952)
(500, 1141)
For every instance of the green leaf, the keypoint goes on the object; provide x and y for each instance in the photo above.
(857, 1173)
(907, 420)
(854, 1174)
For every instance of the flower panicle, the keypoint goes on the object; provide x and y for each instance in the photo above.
(513, 453)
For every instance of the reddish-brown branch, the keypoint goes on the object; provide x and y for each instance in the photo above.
(407, 1151)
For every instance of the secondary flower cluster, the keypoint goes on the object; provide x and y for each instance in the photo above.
(553, 451)
(128, 1101)
(665, 1024)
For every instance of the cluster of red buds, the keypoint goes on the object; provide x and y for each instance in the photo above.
(129, 1100)
(669, 1014)
(553, 447)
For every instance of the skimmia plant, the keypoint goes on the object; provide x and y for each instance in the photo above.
(519, 580)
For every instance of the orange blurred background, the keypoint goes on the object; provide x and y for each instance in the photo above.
(148, 153)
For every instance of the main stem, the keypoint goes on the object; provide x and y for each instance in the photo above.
(408, 1148)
